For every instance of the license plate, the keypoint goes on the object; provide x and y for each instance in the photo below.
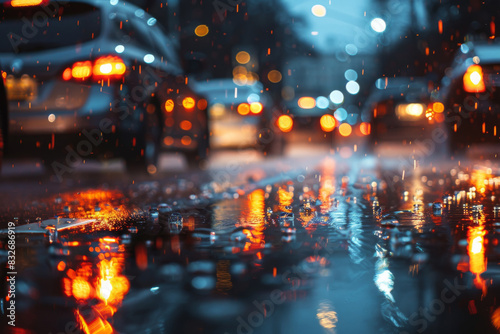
(21, 89)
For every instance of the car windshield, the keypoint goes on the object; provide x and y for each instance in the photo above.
(29, 29)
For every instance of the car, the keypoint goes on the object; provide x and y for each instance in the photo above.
(398, 110)
(470, 93)
(92, 79)
(240, 115)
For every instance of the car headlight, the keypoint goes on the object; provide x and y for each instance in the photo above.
(410, 111)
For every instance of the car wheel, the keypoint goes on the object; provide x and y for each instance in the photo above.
(144, 156)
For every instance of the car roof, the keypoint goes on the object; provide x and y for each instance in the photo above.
(400, 88)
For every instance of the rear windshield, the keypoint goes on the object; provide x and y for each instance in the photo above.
(50, 26)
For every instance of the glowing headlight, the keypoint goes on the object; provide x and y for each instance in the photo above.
(411, 110)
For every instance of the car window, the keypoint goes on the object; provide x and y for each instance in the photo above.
(71, 24)
(126, 31)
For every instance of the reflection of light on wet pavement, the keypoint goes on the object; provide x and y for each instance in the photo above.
(285, 197)
(476, 253)
(107, 207)
(327, 316)
(327, 185)
(384, 279)
(102, 282)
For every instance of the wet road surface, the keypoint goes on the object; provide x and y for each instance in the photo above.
(329, 242)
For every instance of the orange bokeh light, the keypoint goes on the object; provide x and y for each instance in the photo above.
(256, 107)
(188, 103)
(365, 128)
(327, 123)
(474, 80)
(307, 102)
(345, 129)
(186, 125)
(243, 109)
(169, 105)
(285, 123)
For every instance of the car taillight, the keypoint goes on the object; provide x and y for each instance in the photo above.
(110, 66)
(243, 109)
(188, 103)
(81, 70)
(474, 80)
(327, 123)
(107, 67)
(256, 108)
(26, 3)
(285, 123)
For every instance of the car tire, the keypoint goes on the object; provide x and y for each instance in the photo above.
(143, 156)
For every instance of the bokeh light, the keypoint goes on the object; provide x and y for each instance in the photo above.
(201, 30)
(352, 87)
(243, 57)
(345, 129)
(378, 25)
(285, 123)
(327, 123)
(307, 102)
(318, 10)
(274, 76)
(322, 102)
(337, 97)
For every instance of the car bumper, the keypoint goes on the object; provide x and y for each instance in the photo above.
(235, 131)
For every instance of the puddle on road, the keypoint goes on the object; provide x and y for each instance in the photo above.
(334, 252)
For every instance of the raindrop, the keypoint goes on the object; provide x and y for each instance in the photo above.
(286, 219)
(437, 208)
(151, 21)
(351, 75)
(351, 49)
(175, 223)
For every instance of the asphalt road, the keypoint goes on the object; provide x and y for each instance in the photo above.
(319, 240)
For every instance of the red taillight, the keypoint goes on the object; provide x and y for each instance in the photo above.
(474, 80)
(4, 77)
(327, 123)
(108, 67)
(285, 123)
(81, 70)
(243, 109)
(256, 108)
(26, 3)
(188, 103)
